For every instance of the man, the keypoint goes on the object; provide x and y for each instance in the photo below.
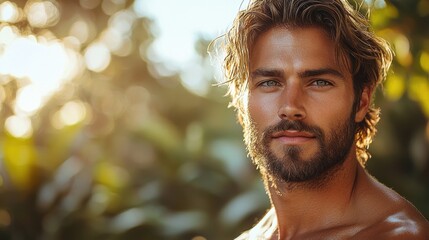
(302, 74)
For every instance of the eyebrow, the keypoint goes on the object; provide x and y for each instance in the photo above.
(320, 71)
(263, 72)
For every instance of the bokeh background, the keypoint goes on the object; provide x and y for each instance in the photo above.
(111, 128)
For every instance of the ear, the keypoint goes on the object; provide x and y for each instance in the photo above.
(365, 101)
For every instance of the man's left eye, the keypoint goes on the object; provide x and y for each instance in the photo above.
(321, 83)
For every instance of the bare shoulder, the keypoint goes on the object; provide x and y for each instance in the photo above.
(394, 218)
(406, 224)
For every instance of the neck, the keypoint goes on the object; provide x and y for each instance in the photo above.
(309, 207)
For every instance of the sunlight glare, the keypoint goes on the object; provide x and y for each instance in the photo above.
(28, 100)
(19, 126)
(17, 56)
(9, 12)
(123, 21)
(42, 14)
(97, 57)
(125, 48)
(51, 75)
(116, 42)
(80, 30)
(72, 113)
(43, 64)
(112, 39)
(7, 35)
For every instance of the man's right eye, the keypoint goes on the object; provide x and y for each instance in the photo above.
(269, 83)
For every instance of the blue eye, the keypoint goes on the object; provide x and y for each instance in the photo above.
(321, 83)
(269, 83)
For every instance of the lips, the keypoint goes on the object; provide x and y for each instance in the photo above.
(293, 136)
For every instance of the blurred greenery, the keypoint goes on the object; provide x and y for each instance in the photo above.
(125, 151)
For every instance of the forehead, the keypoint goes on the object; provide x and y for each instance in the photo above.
(298, 47)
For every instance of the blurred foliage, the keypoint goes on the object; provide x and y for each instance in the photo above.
(148, 159)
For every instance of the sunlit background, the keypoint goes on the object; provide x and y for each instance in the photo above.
(111, 127)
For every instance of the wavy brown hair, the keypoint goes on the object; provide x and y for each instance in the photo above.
(367, 55)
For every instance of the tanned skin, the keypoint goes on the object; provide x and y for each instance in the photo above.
(346, 202)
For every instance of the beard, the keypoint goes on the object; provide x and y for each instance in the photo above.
(291, 167)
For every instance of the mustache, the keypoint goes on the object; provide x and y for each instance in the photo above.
(300, 126)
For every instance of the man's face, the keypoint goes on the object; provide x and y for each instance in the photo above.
(300, 117)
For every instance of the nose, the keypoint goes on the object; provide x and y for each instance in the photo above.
(291, 104)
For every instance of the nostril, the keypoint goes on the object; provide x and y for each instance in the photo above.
(291, 114)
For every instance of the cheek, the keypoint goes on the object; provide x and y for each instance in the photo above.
(261, 110)
(327, 112)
